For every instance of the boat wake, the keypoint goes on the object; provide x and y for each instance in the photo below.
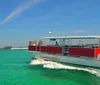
(55, 65)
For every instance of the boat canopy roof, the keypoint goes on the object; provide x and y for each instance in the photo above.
(73, 37)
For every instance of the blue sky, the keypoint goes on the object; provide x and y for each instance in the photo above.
(25, 20)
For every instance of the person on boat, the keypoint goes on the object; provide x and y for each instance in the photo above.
(56, 43)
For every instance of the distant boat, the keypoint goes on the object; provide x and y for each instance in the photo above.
(65, 49)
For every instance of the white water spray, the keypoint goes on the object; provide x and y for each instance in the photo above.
(55, 65)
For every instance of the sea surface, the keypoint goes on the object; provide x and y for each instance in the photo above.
(15, 69)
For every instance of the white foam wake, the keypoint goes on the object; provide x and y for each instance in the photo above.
(39, 61)
(55, 65)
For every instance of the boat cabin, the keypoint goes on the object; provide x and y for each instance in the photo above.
(76, 46)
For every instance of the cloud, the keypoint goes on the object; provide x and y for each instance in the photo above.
(20, 9)
(69, 32)
(78, 31)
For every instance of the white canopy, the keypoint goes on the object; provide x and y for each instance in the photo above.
(73, 37)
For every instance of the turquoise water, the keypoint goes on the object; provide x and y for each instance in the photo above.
(16, 70)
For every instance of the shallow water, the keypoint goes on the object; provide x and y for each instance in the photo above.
(15, 69)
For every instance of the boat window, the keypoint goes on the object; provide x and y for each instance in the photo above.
(90, 43)
(83, 43)
(55, 42)
(52, 39)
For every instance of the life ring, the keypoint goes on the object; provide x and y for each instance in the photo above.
(41, 56)
(56, 58)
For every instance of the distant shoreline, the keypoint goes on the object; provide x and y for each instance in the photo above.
(18, 48)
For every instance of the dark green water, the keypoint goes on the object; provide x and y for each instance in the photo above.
(15, 70)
